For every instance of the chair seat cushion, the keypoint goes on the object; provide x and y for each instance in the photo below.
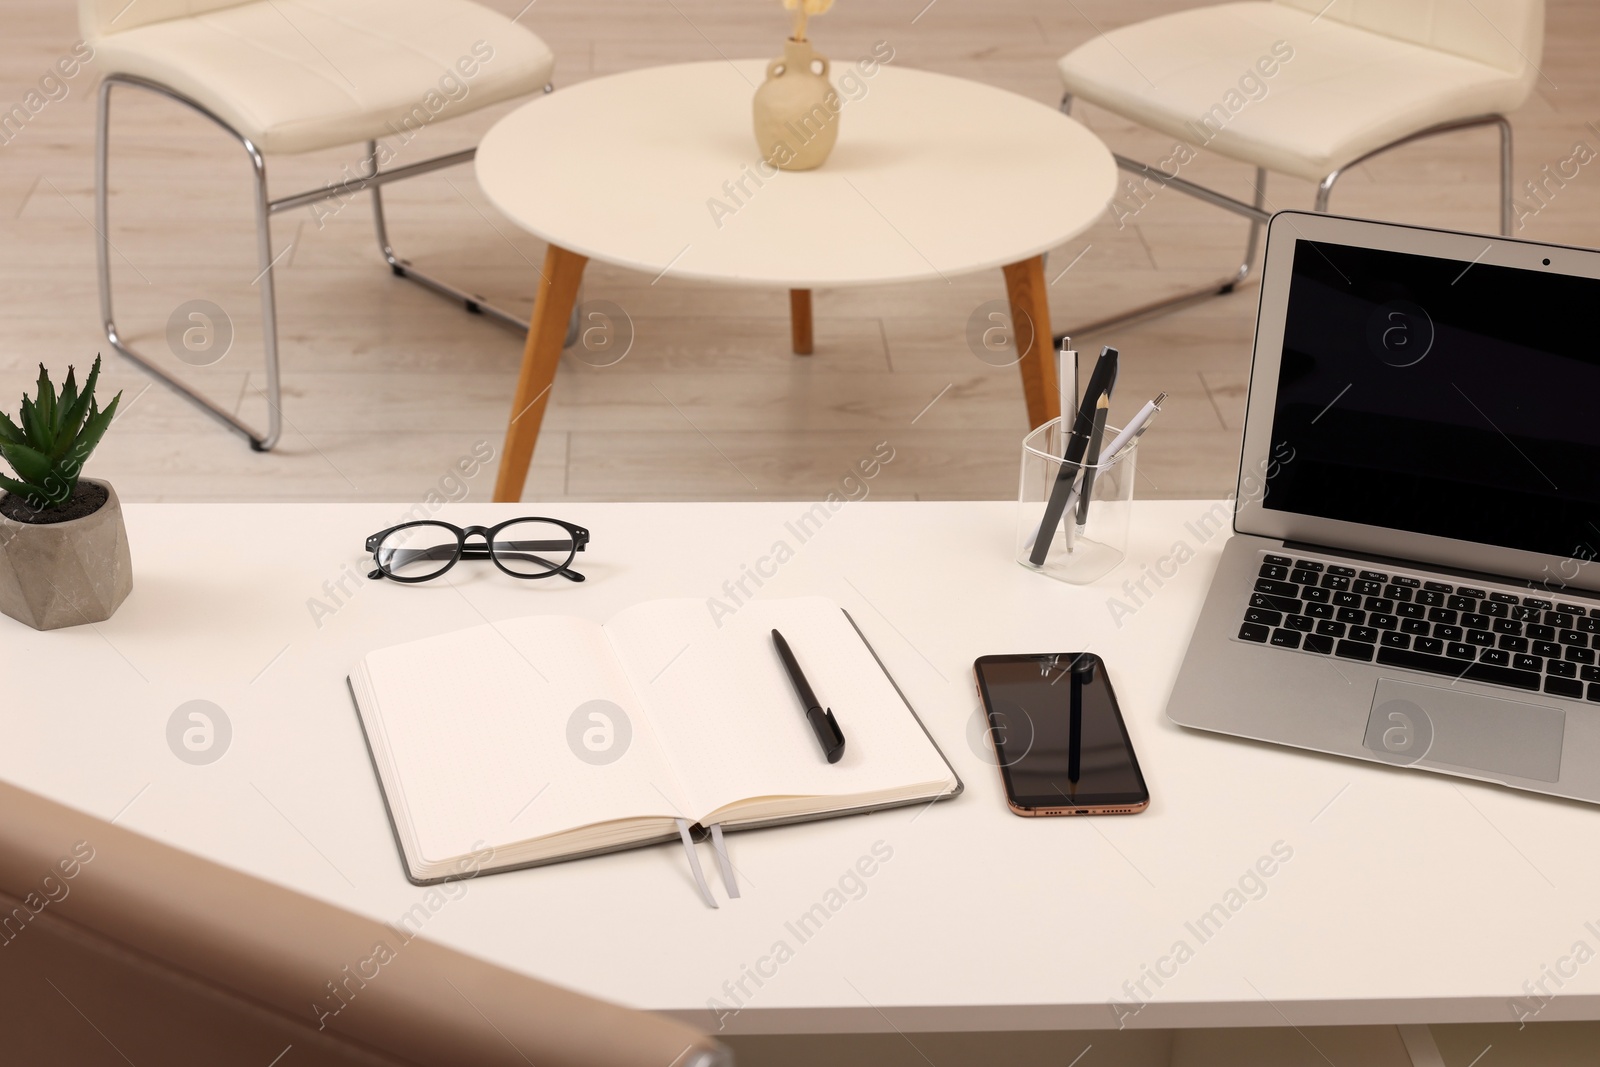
(299, 75)
(1334, 94)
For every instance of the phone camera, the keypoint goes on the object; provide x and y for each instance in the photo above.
(1547, 262)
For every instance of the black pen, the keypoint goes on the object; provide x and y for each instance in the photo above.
(823, 724)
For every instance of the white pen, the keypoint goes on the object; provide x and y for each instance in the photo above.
(1134, 430)
(1067, 387)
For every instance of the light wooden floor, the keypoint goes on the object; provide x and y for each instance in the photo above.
(387, 386)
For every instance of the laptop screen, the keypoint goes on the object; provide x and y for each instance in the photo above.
(1441, 397)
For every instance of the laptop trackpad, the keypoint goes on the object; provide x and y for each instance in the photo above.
(1428, 724)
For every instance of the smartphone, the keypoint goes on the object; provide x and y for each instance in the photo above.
(1058, 735)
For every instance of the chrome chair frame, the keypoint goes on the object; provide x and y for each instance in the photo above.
(372, 179)
(1258, 214)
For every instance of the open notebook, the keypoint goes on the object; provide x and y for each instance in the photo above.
(487, 740)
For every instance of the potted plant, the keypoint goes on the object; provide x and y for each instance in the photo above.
(63, 548)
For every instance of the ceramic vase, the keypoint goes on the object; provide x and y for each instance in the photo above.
(58, 574)
(797, 109)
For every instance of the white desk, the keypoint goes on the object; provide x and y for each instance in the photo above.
(1409, 897)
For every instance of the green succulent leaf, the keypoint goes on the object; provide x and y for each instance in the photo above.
(30, 464)
(45, 399)
(35, 432)
(28, 493)
(67, 401)
(9, 430)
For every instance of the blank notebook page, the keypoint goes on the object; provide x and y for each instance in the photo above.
(729, 717)
(476, 723)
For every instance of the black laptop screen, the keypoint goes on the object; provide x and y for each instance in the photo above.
(1441, 397)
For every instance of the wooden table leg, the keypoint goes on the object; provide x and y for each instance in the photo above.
(800, 320)
(558, 290)
(1030, 326)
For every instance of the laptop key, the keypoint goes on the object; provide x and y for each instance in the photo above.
(1382, 621)
(1475, 621)
(1395, 639)
(1317, 643)
(1309, 565)
(1507, 626)
(1252, 631)
(1482, 638)
(1560, 619)
(1523, 613)
(1343, 572)
(1286, 639)
(1350, 615)
(1465, 590)
(1319, 611)
(1439, 587)
(1505, 598)
(1279, 561)
(1571, 609)
(1537, 602)
(1431, 597)
(1526, 662)
(1411, 611)
(1589, 624)
(1365, 634)
(1448, 633)
(1396, 592)
(1513, 644)
(1442, 615)
(1574, 637)
(1356, 650)
(1272, 570)
(1563, 687)
(1560, 668)
(1366, 587)
(1384, 604)
(1411, 583)
(1321, 596)
(1303, 623)
(1416, 626)
(1431, 645)
(1594, 691)
(1580, 655)
(1304, 577)
(1541, 633)
(1274, 588)
(1461, 603)
(1346, 600)
(1262, 617)
(1274, 603)
(1459, 650)
(1547, 649)
(1335, 581)
(1477, 672)
(1499, 657)
(1375, 576)
(1329, 628)
(1589, 673)
(1494, 609)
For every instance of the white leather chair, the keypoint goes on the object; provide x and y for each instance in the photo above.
(291, 76)
(1361, 77)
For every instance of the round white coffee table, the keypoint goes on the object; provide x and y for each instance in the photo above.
(658, 170)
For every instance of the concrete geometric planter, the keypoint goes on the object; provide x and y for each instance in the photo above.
(65, 573)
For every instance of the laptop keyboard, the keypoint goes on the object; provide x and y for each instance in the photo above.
(1530, 643)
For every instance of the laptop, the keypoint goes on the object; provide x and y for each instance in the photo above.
(1412, 576)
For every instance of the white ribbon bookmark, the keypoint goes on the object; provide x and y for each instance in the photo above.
(722, 859)
(694, 862)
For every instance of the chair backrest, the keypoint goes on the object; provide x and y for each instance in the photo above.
(97, 18)
(1508, 34)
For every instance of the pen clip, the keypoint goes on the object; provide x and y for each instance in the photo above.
(828, 733)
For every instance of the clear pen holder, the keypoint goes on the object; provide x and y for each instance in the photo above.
(1078, 552)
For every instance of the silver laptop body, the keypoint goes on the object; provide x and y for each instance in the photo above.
(1410, 579)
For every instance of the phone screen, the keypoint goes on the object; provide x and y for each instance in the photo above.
(1058, 734)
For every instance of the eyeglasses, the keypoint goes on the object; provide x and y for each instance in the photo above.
(523, 548)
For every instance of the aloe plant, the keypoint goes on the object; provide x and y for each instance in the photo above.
(54, 439)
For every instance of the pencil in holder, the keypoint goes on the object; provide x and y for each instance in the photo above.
(1091, 537)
